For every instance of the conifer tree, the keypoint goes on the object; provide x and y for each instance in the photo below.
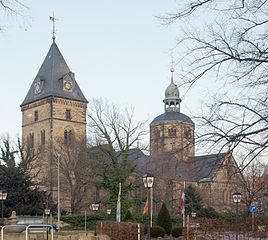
(164, 220)
(22, 196)
(193, 200)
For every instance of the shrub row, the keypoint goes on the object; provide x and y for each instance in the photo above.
(158, 231)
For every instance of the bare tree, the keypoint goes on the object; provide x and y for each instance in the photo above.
(14, 8)
(255, 183)
(76, 172)
(115, 133)
(227, 41)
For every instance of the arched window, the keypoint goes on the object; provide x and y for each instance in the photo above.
(31, 140)
(43, 137)
(172, 132)
(68, 135)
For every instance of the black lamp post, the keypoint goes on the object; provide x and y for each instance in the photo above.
(236, 199)
(95, 208)
(3, 197)
(148, 181)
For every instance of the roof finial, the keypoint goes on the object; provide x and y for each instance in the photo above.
(53, 19)
(172, 68)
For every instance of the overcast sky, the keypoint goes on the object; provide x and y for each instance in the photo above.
(117, 49)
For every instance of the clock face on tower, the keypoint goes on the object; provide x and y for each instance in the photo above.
(38, 87)
(68, 86)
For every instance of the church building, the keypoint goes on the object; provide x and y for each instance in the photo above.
(173, 161)
(54, 113)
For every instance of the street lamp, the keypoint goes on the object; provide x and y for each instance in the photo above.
(95, 208)
(47, 212)
(109, 211)
(148, 181)
(236, 199)
(195, 224)
(3, 197)
(58, 173)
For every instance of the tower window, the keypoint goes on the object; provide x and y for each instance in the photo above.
(187, 133)
(172, 132)
(68, 114)
(67, 136)
(43, 137)
(35, 116)
(31, 140)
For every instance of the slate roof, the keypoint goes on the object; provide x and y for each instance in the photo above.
(207, 166)
(172, 116)
(197, 169)
(51, 74)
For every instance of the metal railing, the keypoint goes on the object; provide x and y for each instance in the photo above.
(27, 228)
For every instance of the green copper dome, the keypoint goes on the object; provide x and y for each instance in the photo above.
(172, 91)
(172, 96)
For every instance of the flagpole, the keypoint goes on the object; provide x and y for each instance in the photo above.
(118, 206)
(183, 213)
(151, 209)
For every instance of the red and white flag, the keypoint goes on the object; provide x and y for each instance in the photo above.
(145, 209)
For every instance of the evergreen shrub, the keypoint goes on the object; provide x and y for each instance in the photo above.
(208, 212)
(157, 231)
(176, 231)
(228, 216)
(164, 219)
(128, 217)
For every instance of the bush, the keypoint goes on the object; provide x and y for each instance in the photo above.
(164, 220)
(78, 221)
(228, 216)
(128, 217)
(157, 231)
(176, 231)
(176, 220)
(208, 212)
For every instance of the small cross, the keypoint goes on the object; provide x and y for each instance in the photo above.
(53, 19)
(172, 60)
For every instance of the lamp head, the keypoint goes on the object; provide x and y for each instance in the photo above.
(148, 180)
(237, 197)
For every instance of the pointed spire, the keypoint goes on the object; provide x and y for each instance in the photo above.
(54, 78)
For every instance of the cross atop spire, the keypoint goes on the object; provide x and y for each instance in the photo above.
(53, 19)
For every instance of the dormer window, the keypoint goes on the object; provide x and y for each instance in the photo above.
(38, 85)
(68, 82)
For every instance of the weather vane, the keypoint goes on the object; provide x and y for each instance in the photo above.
(172, 61)
(53, 19)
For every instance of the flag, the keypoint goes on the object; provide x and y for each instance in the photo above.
(145, 209)
(51, 18)
(118, 205)
(182, 203)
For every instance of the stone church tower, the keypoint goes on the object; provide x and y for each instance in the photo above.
(172, 132)
(53, 111)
